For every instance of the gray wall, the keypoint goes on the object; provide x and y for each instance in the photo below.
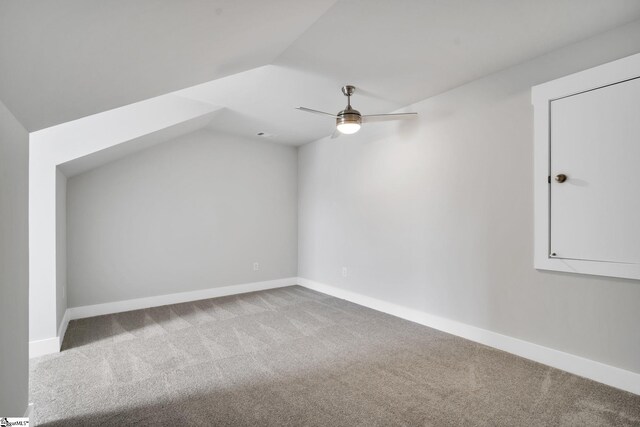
(14, 267)
(61, 246)
(437, 215)
(188, 214)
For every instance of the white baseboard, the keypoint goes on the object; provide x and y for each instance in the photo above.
(50, 345)
(29, 412)
(46, 346)
(606, 374)
(63, 327)
(53, 344)
(156, 301)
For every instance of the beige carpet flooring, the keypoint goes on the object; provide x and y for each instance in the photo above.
(293, 357)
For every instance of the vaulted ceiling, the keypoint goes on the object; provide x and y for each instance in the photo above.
(65, 59)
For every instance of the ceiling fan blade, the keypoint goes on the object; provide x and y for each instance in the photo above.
(336, 133)
(386, 117)
(309, 110)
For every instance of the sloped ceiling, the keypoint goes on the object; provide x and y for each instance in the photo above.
(405, 51)
(397, 53)
(65, 59)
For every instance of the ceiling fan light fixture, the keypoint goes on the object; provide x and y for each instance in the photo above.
(348, 128)
(348, 123)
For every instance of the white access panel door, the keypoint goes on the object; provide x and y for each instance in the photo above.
(595, 142)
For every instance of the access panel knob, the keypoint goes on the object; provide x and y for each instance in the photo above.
(561, 178)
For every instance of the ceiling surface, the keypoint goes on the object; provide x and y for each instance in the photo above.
(62, 60)
(65, 59)
(262, 100)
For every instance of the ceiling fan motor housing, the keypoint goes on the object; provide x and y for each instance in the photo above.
(349, 115)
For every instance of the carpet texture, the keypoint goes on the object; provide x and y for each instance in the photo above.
(291, 356)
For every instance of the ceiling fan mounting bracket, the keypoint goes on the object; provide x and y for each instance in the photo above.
(348, 90)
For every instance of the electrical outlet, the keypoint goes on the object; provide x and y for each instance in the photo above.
(256, 266)
(344, 271)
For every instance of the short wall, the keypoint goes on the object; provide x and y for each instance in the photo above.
(192, 213)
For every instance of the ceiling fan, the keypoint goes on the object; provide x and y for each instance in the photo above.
(348, 121)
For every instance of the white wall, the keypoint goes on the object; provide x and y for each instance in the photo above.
(61, 246)
(188, 214)
(103, 136)
(437, 215)
(14, 265)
